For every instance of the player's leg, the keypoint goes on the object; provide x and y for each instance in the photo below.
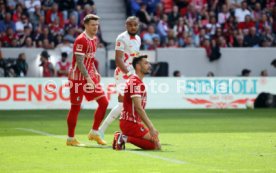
(142, 143)
(116, 111)
(102, 101)
(76, 96)
(135, 134)
(72, 119)
(113, 115)
(142, 139)
(100, 112)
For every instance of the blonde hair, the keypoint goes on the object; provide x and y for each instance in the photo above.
(89, 17)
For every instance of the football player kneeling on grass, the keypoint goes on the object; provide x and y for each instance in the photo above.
(133, 115)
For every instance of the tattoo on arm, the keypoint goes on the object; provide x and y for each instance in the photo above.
(80, 64)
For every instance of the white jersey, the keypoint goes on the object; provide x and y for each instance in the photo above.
(130, 45)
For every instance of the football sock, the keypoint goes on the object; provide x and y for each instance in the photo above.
(114, 113)
(70, 138)
(142, 143)
(94, 132)
(72, 119)
(100, 112)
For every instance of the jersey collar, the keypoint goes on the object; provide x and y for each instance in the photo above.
(131, 37)
(88, 36)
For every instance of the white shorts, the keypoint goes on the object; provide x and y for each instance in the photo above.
(121, 80)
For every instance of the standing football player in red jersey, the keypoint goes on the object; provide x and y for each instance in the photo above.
(133, 115)
(84, 81)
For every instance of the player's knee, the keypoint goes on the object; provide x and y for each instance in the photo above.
(103, 102)
(75, 108)
(120, 98)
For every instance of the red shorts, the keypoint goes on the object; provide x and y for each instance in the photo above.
(130, 128)
(78, 90)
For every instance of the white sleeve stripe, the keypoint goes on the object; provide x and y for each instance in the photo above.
(79, 53)
(135, 96)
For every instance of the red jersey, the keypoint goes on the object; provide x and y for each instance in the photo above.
(48, 69)
(83, 45)
(134, 88)
(62, 66)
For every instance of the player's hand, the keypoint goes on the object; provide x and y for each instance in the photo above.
(154, 135)
(90, 83)
(126, 76)
(98, 76)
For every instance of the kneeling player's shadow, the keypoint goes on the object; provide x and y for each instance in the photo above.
(95, 146)
(164, 149)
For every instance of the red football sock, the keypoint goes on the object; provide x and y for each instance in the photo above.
(142, 143)
(72, 119)
(100, 112)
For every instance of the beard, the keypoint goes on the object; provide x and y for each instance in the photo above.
(132, 34)
(147, 72)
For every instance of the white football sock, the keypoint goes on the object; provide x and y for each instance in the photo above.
(124, 138)
(95, 132)
(70, 138)
(113, 114)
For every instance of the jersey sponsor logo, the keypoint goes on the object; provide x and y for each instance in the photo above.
(134, 53)
(79, 47)
(137, 89)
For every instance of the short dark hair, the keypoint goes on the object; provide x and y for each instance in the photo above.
(64, 54)
(176, 73)
(245, 71)
(89, 17)
(137, 59)
(130, 18)
(44, 54)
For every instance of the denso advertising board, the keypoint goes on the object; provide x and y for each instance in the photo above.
(163, 93)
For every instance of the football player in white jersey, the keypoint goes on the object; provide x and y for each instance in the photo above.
(127, 46)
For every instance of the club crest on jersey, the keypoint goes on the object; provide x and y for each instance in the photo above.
(79, 47)
(118, 43)
(78, 98)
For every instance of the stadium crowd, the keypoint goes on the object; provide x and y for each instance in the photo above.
(210, 24)
(43, 24)
(205, 23)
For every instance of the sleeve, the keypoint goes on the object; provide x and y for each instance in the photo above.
(136, 88)
(139, 40)
(120, 44)
(80, 47)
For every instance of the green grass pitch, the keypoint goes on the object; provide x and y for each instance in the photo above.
(193, 141)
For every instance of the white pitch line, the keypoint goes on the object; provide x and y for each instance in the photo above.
(141, 153)
(41, 133)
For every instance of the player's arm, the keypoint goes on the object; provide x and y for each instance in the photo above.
(96, 72)
(82, 68)
(65, 72)
(119, 56)
(52, 69)
(137, 101)
(120, 62)
(57, 71)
